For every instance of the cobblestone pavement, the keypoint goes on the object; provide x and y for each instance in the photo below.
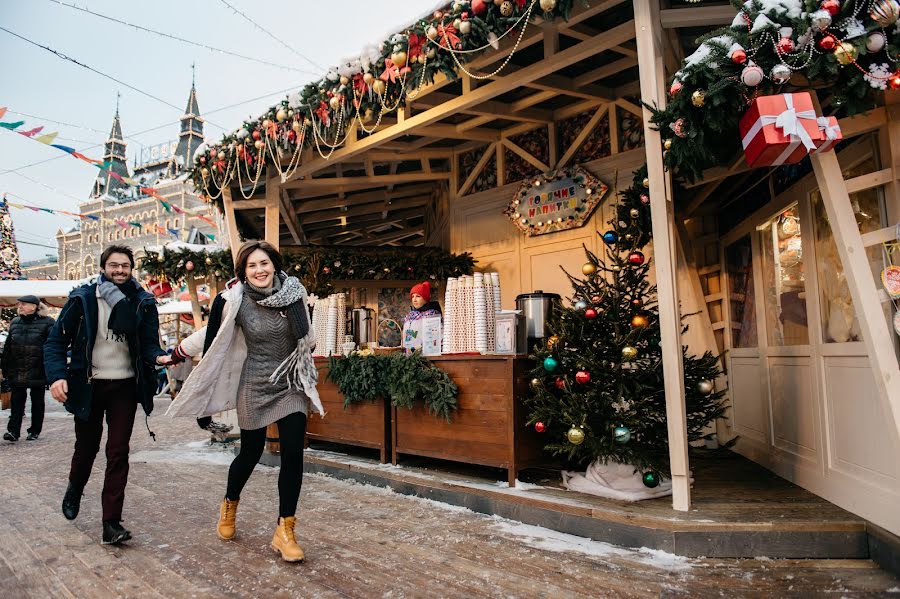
(360, 541)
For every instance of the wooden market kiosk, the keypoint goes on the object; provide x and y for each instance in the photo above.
(819, 408)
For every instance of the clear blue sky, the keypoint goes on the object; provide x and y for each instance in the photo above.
(36, 82)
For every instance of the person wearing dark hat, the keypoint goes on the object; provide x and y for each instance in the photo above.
(23, 365)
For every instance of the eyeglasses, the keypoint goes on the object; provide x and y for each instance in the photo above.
(113, 265)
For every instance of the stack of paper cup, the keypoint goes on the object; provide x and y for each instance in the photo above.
(331, 326)
(481, 338)
(449, 309)
(495, 281)
(320, 325)
(489, 314)
(341, 325)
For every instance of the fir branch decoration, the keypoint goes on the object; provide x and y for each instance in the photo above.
(403, 379)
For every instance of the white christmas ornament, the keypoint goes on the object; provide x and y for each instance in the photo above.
(780, 73)
(752, 75)
(821, 19)
(875, 42)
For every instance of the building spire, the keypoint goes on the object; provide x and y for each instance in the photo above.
(191, 135)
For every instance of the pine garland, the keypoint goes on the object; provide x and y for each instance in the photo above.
(403, 379)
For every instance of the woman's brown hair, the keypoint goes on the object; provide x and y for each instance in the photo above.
(248, 247)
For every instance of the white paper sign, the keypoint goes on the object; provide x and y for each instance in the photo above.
(432, 336)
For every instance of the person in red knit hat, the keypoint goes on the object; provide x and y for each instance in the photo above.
(422, 306)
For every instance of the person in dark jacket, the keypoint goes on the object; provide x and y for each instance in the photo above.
(23, 365)
(112, 328)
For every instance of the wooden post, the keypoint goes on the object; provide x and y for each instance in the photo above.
(652, 79)
(234, 240)
(876, 333)
(273, 213)
(195, 302)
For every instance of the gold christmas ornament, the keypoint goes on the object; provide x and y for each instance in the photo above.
(667, 144)
(629, 352)
(378, 87)
(575, 435)
(845, 53)
(885, 12)
(281, 115)
(646, 183)
(334, 102)
(588, 269)
(344, 80)
(296, 126)
(399, 59)
(698, 98)
(548, 5)
(220, 155)
(640, 321)
(160, 259)
(208, 261)
(205, 172)
(431, 33)
(552, 341)
(369, 79)
(259, 144)
(465, 28)
(506, 9)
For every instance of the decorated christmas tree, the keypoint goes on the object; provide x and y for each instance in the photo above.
(597, 391)
(9, 253)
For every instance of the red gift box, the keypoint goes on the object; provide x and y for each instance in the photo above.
(831, 133)
(780, 129)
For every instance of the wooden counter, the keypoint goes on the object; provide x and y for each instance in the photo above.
(364, 424)
(487, 428)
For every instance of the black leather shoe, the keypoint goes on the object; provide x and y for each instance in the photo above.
(114, 533)
(11, 437)
(32, 437)
(71, 502)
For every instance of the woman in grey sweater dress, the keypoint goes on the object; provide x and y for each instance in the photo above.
(272, 318)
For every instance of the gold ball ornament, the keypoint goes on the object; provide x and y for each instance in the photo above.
(334, 102)
(296, 126)
(588, 269)
(640, 321)
(399, 59)
(575, 435)
(698, 98)
(208, 261)
(705, 387)
(845, 53)
(667, 144)
(259, 144)
(368, 79)
(281, 115)
(220, 155)
(378, 87)
(465, 27)
(205, 172)
(552, 341)
(885, 12)
(629, 352)
(431, 33)
(344, 80)
(160, 259)
(548, 5)
(646, 183)
(506, 9)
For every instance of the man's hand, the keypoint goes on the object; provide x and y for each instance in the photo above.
(60, 390)
(164, 361)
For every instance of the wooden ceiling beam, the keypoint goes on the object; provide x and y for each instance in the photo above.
(388, 237)
(327, 229)
(607, 70)
(540, 70)
(696, 16)
(374, 181)
(494, 109)
(318, 202)
(374, 208)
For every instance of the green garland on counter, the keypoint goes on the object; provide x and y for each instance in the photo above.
(402, 378)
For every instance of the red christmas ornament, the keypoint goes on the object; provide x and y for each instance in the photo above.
(256, 134)
(637, 303)
(635, 258)
(203, 160)
(590, 314)
(894, 80)
(832, 6)
(738, 56)
(645, 199)
(189, 266)
(785, 45)
(827, 42)
(596, 299)
(327, 270)
(540, 427)
(560, 383)
(291, 135)
(479, 7)
(583, 377)
(674, 88)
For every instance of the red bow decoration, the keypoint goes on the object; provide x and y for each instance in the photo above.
(220, 166)
(391, 71)
(244, 155)
(359, 89)
(322, 112)
(521, 3)
(448, 36)
(415, 47)
(272, 130)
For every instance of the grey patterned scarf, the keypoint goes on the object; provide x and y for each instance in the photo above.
(299, 368)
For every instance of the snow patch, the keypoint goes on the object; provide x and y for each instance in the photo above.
(791, 8)
(761, 23)
(195, 452)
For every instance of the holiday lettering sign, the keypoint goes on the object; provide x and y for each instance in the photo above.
(556, 201)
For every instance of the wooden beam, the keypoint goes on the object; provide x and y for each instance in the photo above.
(526, 156)
(234, 240)
(374, 208)
(532, 73)
(582, 136)
(306, 206)
(479, 166)
(652, 80)
(696, 16)
(291, 219)
(500, 164)
(273, 211)
(442, 131)
(607, 70)
(494, 109)
(370, 181)
(889, 149)
(877, 337)
(388, 237)
(327, 228)
(613, 129)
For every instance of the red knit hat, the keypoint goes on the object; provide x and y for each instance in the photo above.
(423, 289)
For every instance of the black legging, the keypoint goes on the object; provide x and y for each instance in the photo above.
(291, 433)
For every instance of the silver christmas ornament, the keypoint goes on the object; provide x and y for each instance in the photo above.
(705, 387)
(781, 73)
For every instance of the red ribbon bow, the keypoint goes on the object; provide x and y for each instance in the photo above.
(448, 36)
(415, 47)
(322, 112)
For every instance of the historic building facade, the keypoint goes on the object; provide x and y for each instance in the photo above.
(115, 208)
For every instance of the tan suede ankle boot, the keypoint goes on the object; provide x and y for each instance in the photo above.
(227, 517)
(285, 543)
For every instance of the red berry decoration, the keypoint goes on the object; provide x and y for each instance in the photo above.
(540, 427)
(583, 377)
(832, 6)
(590, 314)
(636, 258)
(560, 383)
(738, 56)
(827, 43)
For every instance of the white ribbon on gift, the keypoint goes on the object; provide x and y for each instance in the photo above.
(831, 133)
(790, 123)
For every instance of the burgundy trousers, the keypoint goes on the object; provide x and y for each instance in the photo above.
(117, 400)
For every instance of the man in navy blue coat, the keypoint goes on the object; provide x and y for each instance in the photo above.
(111, 328)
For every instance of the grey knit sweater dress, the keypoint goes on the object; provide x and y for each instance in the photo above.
(270, 341)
